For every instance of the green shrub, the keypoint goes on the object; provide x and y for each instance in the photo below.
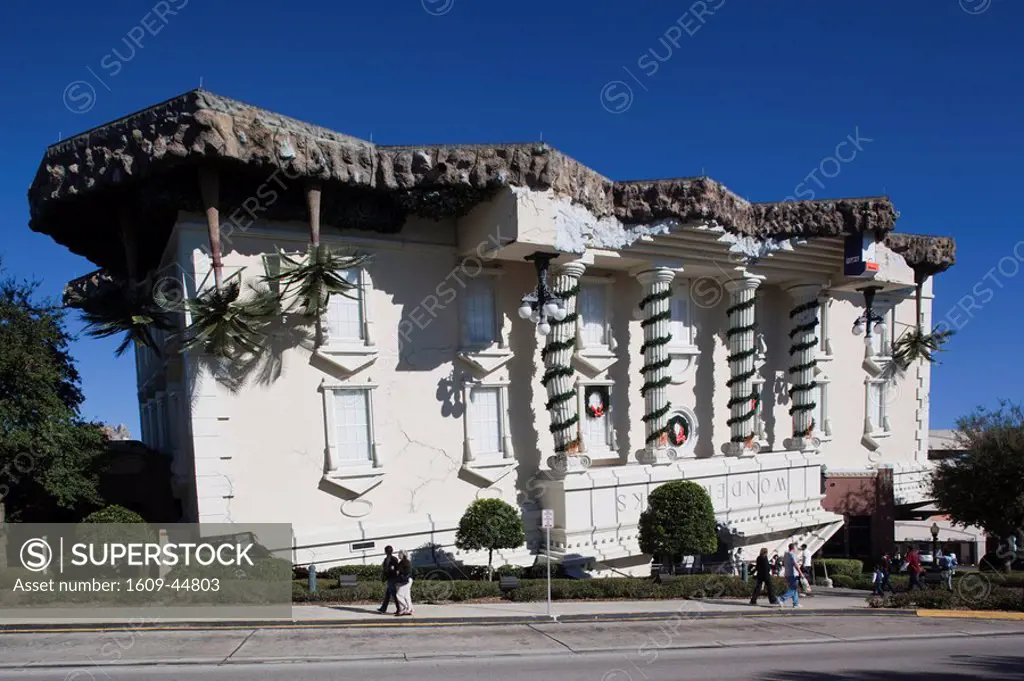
(113, 514)
(941, 599)
(844, 581)
(490, 525)
(363, 573)
(10, 575)
(679, 520)
(839, 566)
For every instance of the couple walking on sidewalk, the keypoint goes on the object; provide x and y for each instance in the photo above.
(791, 570)
(397, 575)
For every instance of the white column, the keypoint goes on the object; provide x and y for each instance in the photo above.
(656, 309)
(742, 352)
(558, 376)
(803, 347)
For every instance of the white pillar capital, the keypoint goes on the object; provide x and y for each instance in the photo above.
(804, 291)
(656, 275)
(574, 269)
(743, 281)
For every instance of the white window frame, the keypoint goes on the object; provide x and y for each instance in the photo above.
(822, 423)
(359, 478)
(609, 449)
(596, 359)
(684, 356)
(877, 361)
(873, 432)
(351, 355)
(822, 427)
(486, 358)
(486, 465)
(824, 350)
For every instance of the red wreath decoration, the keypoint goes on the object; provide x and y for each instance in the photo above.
(677, 433)
(596, 411)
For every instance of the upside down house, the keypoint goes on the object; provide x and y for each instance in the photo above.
(510, 324)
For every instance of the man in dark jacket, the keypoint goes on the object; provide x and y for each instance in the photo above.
(763, 570)
(389, 575)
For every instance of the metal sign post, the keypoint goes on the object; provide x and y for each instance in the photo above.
(547, 517)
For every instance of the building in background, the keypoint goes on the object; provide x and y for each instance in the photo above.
(695, 336)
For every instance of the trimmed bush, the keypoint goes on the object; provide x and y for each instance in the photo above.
(489, 525)
(113, 514)
(939, 599)
(679, 521)
(839, 566)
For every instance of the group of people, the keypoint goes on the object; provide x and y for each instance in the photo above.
(911, 564)
(397, 576)
(797, 568)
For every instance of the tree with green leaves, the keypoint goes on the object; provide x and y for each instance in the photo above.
(490, 524)
(679, 521)
(47, 452)
(985, 486)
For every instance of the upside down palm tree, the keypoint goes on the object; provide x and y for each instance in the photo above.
(916, 344)
(124, 306)
(320, 275)
(224, 325)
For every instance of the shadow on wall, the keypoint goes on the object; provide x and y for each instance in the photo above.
(528, 437)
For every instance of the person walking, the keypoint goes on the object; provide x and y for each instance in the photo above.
(886, 567)
(389, 575)
(791, 567)
(945, 565)
(914, 569)
(806, 569)
(404, 582)
(763, 571)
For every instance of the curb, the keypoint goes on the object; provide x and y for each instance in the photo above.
(973, 615)
(222, 625)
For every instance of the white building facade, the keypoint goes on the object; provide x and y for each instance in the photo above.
(697, 337)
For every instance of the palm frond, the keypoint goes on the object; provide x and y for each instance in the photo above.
(127, 309)
(316, 278)
(916, 344)
(226, 326)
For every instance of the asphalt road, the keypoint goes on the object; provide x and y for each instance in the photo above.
(806, 648)
(997, 657)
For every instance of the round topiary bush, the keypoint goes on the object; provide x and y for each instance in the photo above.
(679, 520)
(113, 514)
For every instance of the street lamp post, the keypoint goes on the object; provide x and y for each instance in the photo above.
(869, 321)
(541, 304)
(935, 543)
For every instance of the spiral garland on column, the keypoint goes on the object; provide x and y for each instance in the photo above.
(655, 361)
(556, 355)
(736, 329)
(800, 371)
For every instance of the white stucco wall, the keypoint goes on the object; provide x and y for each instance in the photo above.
(259, 454)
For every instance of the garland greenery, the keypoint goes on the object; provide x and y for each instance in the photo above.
(648, 369)
(739, 378)
(562, 444)
(796, 347)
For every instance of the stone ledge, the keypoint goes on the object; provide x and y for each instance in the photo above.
(365, 185)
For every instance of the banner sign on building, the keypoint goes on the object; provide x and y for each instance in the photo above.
(859, 256)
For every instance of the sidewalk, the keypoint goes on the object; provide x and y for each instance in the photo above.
(536, 646)
(497, 612)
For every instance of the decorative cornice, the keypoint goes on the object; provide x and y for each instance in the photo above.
(927, 255)
(148, 159)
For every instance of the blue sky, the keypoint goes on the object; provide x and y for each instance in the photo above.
(755, 94)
